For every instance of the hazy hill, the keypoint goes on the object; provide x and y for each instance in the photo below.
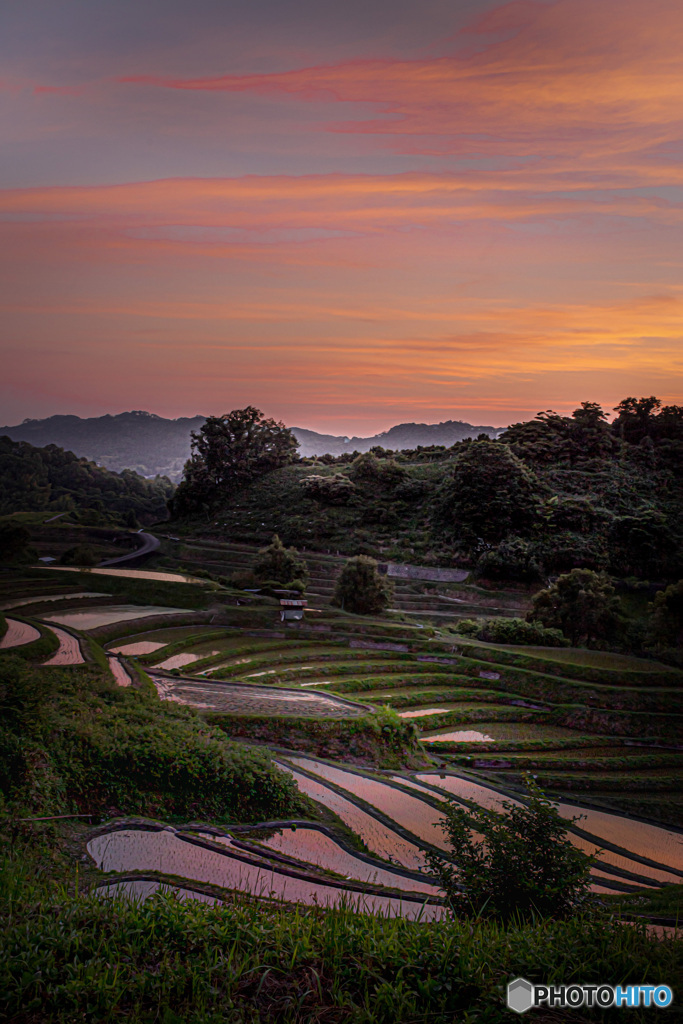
(405, 435)
(141, 441)
(152, 445)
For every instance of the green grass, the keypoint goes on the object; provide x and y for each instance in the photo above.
(73, 741)
(67, 957)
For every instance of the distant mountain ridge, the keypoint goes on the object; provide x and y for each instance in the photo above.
(404, 435)
(152, 445)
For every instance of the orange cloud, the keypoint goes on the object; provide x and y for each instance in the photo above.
(587, 86)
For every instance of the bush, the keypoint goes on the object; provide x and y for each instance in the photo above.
(361, 589)
(516, 864)
(278, 564)
(581, 603)
(514, 559)
(368, 469)
(14, 541)
(517, 631)
(330, 490)
(81, 554)
(108, 751)
(666, 622)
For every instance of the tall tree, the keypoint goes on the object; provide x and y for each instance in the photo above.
(581, 603)
(227, 452)
(490, 494)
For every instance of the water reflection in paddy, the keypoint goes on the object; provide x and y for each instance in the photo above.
(467, 790)
(315, 847)
(186, 658)
(138, 850)
(69, 650)
(133, 574)
(104, 616)
(118, 671)
(462, 736)
(636, 837)
(381, 840)
(653, 841)
(413, 814)
(18, 633)
(421, 712)
(140, 647)
(40, 598)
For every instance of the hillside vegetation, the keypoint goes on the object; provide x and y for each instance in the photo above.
(552, 494)
(53, 480)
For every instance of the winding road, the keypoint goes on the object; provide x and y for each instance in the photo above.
(149, 543)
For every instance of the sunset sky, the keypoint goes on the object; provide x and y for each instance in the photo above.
(349, 215)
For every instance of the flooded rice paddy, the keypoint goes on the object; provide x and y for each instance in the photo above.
(315, 847)
(141, 647)
(43, 598)
(422, 712)
(651, 841)
(252, 700)
(416, 816)
(503, 732)
(133, 574)
(379, 838)
(464, 736)
(181, 660)
(18, 633)
(118, 671)
(69, 650)
(635, 837)
(168, 853)
(106, 615)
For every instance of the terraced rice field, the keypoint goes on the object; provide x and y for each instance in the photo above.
(69, 651)
(104, 616)
(603, 734)
(173, 853)
(18, 633)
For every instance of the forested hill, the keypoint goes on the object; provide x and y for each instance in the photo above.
(53, 480)
(152, 445)
(141, 441)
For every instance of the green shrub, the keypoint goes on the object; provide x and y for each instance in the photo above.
(517, 631)
(519, 864)
(361, 589)
(329, 490)
(279, 564)
(513, 559)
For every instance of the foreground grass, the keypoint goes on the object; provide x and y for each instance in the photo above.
(66, 957)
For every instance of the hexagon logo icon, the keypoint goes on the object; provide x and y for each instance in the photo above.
(520, 995)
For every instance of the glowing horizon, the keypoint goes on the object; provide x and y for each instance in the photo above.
(406, 214)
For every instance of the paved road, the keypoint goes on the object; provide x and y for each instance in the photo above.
(149, 544)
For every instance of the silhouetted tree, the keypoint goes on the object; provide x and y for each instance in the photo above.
(228, 452)
(517, 863)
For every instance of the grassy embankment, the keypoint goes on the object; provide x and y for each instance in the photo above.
(67, 956)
